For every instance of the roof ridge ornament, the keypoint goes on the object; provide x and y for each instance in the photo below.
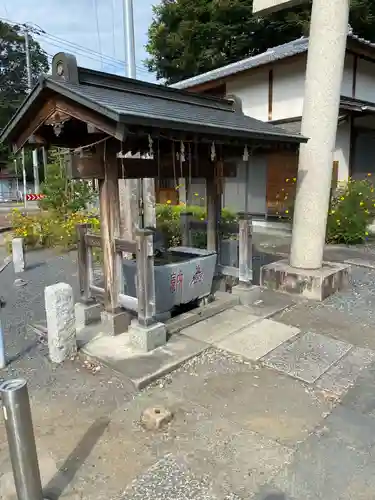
(236, 103)
(65, 67)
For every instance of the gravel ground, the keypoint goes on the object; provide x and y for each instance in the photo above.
(236, 424)
(358, 301)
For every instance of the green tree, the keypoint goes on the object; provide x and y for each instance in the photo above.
(189, 37)
(13, 73)
(63, 195)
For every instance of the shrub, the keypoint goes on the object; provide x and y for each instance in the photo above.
(168, 223)
(54, 229)
(50, 229)
(62, 194)
(352, 210)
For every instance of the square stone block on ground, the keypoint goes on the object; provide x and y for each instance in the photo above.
(220, 326)
(308, 357)
(343, 375)
(258, 339)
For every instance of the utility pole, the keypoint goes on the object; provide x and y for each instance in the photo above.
(134, 189)
(30, 84)
(129, 38)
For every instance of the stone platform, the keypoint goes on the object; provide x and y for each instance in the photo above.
(315, 284)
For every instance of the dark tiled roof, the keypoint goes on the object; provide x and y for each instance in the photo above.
(139, 103)
(273, 54)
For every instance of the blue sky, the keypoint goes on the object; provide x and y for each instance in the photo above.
(75, 21)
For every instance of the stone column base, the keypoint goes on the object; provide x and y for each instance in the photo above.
(147, 338)
(115, 323)
(86, 314)
(246, 293)
(316, 284)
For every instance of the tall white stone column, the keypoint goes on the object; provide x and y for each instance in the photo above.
(325, 63)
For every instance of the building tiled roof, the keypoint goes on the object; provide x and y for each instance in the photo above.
(134, 102)
(273, 54)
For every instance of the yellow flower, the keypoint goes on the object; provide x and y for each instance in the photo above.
(342, 198)
(196, 194)
(333, 211)
(294, 179)
(169, 202)
(286, 211)
(366, 233)
(361, 203)
(369, 174)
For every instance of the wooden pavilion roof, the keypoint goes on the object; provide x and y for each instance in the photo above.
(120, 107)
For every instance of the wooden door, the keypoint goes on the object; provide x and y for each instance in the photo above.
(281, 186)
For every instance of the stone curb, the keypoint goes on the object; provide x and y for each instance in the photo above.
(360, 263)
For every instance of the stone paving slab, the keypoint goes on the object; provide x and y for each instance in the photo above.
(267, 303)
(326, 468)
(258, 339)
(270, 403)
(220, 326)
(341, 376)
(308, 357)
(142, 369)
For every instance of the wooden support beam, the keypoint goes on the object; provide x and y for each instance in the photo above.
(214, 189)
(145, 279)
(84, 263)
(245, 249)
(110, 229)
(185, 221)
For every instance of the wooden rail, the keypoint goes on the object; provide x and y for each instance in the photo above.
(242, 228)
(144, 303)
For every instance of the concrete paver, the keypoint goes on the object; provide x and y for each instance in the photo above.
(308, 357)
(258, 339)
(220, 326)
(341, 376)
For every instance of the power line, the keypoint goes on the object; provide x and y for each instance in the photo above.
(52, 39)
(41, 32)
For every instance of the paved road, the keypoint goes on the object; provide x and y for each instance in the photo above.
(241, 429)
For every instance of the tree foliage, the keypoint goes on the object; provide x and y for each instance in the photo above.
(13, 72)
(189, 37)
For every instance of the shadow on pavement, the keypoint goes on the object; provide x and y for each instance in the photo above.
(35, 265)
(75, 460)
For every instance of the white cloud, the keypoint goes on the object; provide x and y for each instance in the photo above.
(75, 21)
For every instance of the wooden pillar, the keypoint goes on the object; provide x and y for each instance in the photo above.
(212, 210)
(145, 279)
(214, 194)
(84, 263)
(245, 249)
(110, 229)
(185, 219)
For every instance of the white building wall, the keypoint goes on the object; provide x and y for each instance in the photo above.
(347, 80)
(342, 150)
(365, 84)
(252, 89)
(288, 89)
